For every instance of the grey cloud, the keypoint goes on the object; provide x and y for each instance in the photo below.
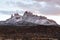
(49, 9)
(6, 12)
(52, 1)
(11, 12)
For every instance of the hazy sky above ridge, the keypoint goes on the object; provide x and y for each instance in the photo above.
(49, 8)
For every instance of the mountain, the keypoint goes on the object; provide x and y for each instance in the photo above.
(28, 19)
(41, 20)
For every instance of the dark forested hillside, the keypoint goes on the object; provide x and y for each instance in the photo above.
(48, 30)
(29, 32)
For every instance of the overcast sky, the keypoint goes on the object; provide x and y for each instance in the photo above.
(48, 8)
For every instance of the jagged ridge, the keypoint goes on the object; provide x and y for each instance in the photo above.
(28, 19)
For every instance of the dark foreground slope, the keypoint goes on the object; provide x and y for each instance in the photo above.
(51, 31)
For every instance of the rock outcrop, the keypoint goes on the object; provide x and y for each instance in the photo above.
(29, 18)
(42, 20)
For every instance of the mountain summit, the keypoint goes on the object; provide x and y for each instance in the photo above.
(29, 18)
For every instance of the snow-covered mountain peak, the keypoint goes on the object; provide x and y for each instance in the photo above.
(30, 18)
(42, 20)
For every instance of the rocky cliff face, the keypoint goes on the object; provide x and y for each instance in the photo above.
(42, 20)
(28, 17)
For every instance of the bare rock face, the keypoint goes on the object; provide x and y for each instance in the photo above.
(14, 18)
(42, 20)
(28, 17)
